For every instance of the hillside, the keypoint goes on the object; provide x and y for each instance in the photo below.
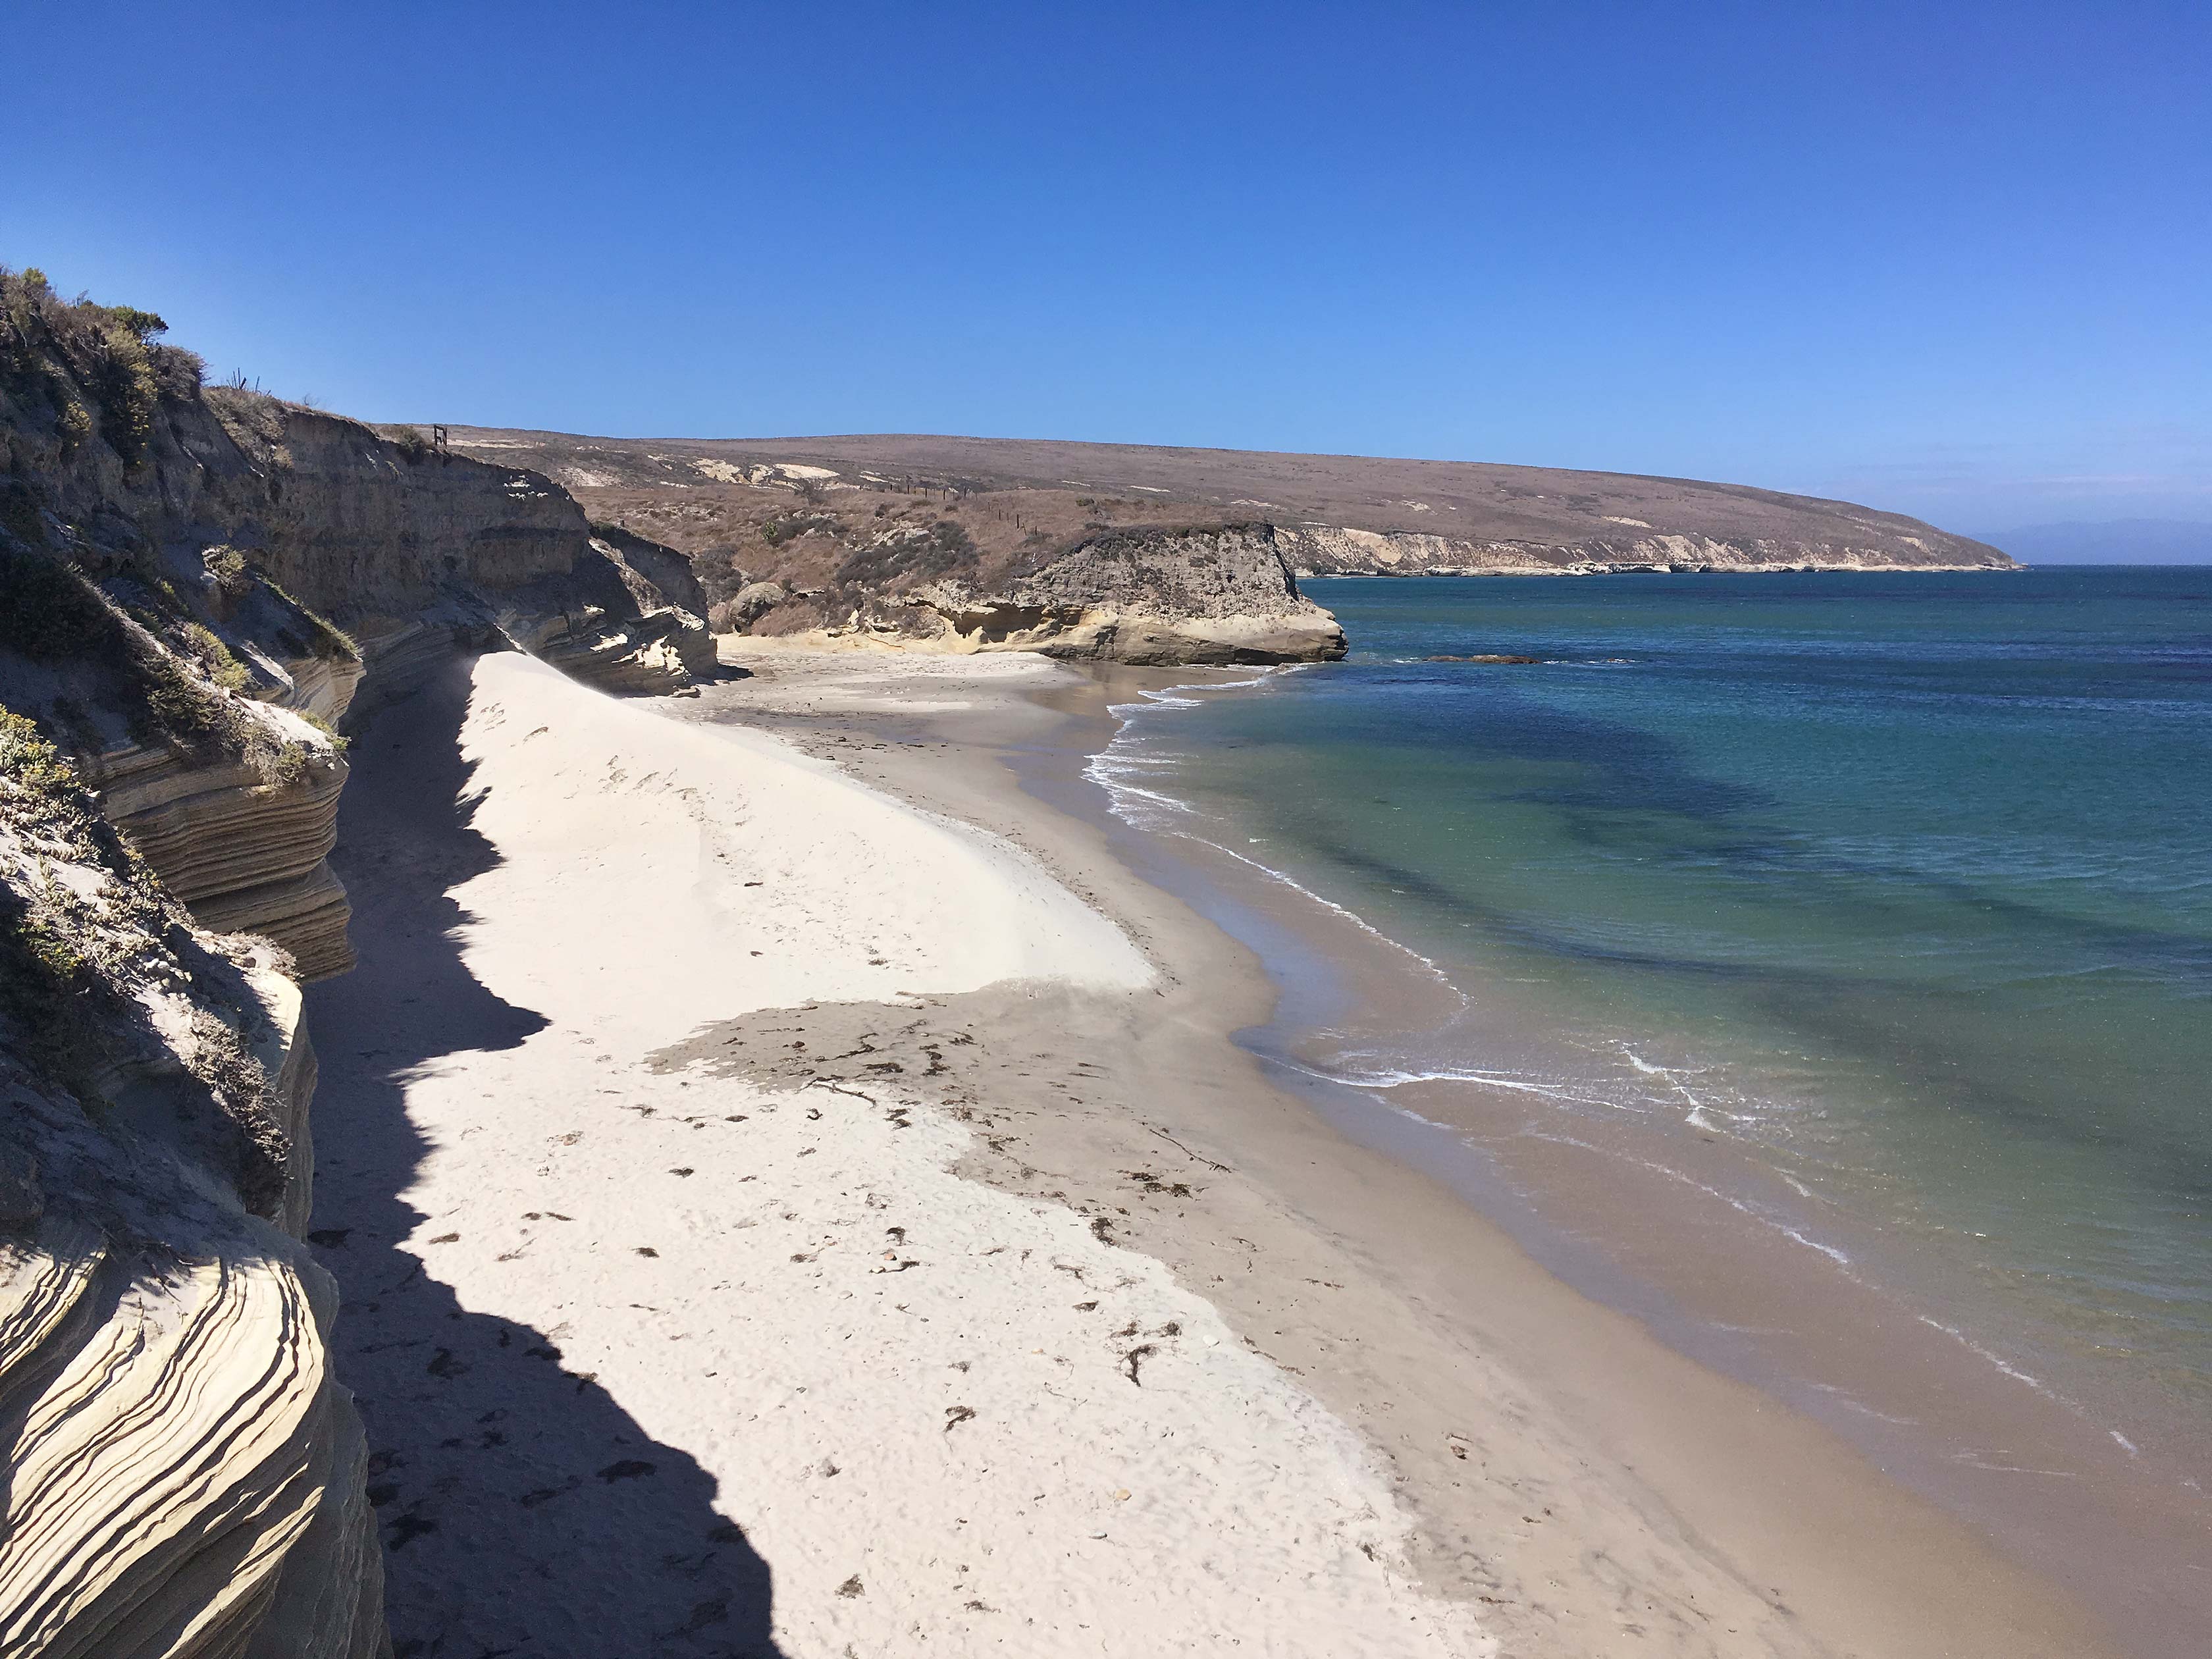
(792, 510)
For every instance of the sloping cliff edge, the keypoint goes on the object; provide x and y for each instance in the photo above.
(201, 590)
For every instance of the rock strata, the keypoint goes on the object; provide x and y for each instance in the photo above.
(184, 1472)
(198, 589)
(282, 569)
(1159, 597)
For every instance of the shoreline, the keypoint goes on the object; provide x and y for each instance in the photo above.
(1734, 1495)
(1715, 1254)
(773, 1215)
(696, 1355)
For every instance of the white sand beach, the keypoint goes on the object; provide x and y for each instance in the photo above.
(780, 1215)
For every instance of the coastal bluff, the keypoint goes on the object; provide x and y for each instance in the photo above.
(203, 591)
(865, 537)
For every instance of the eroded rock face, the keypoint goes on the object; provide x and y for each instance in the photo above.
(294, 565)
(247, 854)
(185, 1474)
(1154, 597)
(197, 590)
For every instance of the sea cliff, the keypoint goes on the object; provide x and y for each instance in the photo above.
(201, 590)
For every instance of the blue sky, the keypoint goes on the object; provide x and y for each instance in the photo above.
(1951, 258)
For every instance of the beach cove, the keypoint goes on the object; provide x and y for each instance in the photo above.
(945, 1271)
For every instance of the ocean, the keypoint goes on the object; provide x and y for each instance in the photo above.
(1875, 908)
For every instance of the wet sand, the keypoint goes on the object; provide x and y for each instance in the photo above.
(1595, 1488)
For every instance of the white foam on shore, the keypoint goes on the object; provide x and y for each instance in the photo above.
(1109, 770)
(1996, 1360)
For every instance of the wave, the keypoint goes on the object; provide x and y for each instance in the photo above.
(1129, 802)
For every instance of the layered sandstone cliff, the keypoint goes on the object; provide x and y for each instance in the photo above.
(229, 572)
(1161, 596)
(198, 588)
(185, 1476)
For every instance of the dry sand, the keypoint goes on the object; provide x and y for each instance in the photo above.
(777, 1214)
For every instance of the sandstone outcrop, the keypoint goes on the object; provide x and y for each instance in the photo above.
(1159, 597)
(186, 1475)
(198, 588)
(272, 564)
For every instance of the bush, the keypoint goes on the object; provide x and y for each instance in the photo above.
(946, 546)
(51, 348)
(410, 443)
(176, 707)
(121, 379)
(325, 638)
(228, 566)
(20, 515)
(212, 654)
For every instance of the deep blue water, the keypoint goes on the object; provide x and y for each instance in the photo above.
(1903, 882)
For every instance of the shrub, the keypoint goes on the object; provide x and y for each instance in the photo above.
(944, 546)
(128, 393)
(179, 374)
(18, 513)
(141, 325)
(212, 654)
(410, 443)
(52, 348)
(48, 986)
(228, 566)
(176, 707)
(337, 740)
(325, 638)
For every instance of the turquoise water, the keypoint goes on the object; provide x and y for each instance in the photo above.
(1901, 884)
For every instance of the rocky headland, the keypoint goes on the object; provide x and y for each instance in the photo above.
(849, 538)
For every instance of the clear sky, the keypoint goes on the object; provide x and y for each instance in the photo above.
(1951, 258)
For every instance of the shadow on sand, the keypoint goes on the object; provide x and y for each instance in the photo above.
(523, 1511)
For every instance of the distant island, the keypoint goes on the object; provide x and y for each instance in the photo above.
(2113, 541)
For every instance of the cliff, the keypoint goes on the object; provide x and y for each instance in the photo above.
(202, 580)
(198, 588)
(186, 1475)
(1162, 597)
(948, 562)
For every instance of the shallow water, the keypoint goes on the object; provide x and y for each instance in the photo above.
(1901, 886)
